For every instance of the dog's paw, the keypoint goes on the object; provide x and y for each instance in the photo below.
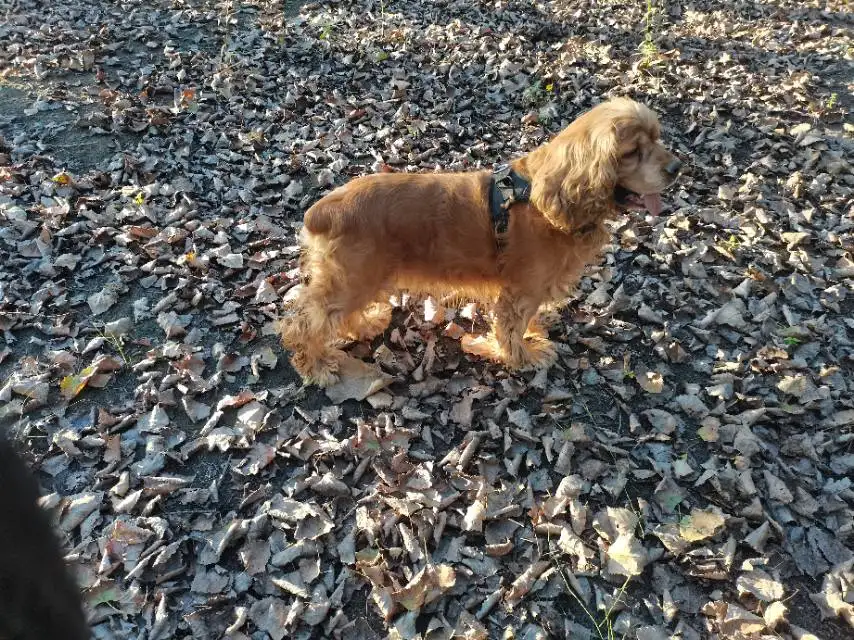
(323, 378)
(542, 323)
(532, 353)
(321, 370)
(369, 323)
(539, 353)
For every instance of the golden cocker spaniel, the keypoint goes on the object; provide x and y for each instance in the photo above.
(441, 233)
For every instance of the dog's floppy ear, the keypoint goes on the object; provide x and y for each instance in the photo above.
(573, 177)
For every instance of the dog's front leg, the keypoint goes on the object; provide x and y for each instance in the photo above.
(367, 323)
(513, 313)
(546, 319)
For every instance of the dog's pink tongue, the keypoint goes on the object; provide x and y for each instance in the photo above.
(652, 202)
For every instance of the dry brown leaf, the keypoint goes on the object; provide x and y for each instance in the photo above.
(357, 381)
(701, 525)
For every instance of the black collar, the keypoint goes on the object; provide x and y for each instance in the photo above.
(506, 188)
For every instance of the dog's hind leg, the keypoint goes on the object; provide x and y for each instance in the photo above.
(340, 285)
(308, 333)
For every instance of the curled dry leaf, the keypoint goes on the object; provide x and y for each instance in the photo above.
(93, 375)
(837, 593)
(626, 556)
(425, 586)
(700, 524)
(473, 519)
(651, 382)
(738, 621)
(101, 301)
(524, 582)
(761, 585)
(357, 381)
(270, 615)
(775, 615)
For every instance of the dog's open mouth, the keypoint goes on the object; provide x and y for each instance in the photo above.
(630, 200)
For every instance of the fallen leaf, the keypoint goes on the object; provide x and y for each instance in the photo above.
(700, 525)
(357, 381)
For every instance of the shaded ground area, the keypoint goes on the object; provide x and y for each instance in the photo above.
(685, 471)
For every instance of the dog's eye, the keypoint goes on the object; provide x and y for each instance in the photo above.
(630, 154)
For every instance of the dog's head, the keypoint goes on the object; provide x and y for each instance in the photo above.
(610, 156)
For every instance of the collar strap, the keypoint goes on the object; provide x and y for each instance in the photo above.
(506, 188)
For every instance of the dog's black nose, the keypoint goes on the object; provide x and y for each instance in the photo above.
(673, 167)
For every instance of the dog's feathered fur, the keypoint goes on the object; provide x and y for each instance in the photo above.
(38, 599)
(433, 233)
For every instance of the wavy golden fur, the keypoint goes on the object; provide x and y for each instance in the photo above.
(433, 233)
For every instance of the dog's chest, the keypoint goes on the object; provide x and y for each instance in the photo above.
(564, 265)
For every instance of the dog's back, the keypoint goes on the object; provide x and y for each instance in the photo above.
(38, 599)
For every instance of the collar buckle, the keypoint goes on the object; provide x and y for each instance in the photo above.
(506, 188)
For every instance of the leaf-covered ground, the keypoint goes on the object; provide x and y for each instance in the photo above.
(685, 471)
